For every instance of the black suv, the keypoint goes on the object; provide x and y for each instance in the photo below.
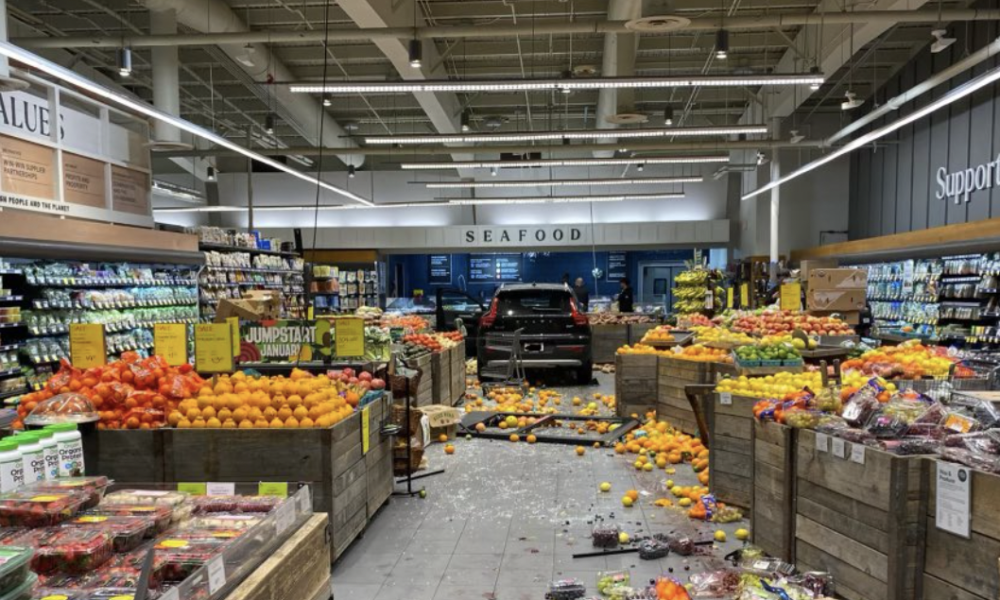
(555, 334)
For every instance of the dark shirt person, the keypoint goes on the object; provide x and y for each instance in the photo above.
(626, 299)
(582, 294)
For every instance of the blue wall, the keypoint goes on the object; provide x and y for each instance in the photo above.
(540, 267)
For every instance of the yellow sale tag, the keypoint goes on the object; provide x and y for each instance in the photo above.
(791, 296)
(86, 345)
(729, 297)
(170, 342)
(349, 337)
(234, 329)
(173, 544)
(365, 428)
(744, 295)
(213, 348)
(265, 488)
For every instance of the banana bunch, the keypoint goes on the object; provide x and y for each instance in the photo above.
(689, 293)
(689, 306)
(697, 277)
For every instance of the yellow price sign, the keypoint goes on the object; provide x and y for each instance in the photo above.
(729, 297)
(744, 295)
(213, 348)
(349, 337)
(170, 342)
(234, 329)
(365, 429)
(86, 345)
(791, 296)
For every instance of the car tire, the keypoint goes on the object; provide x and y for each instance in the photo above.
(585, 374)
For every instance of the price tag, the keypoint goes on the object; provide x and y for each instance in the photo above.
(234, 329)
(365, 429)
(744, 295)
(791, 296)
(213, 348)
(305, 501)
(170, 342)
(87, 346)
(729, 297)
(838, 448)
(725, 398)
(858, 454)
(822, 442)
(284, 517)
(195, 489)
(953, 499)
(216, 574)
(265, 488)
(215, 488)
(349, 337)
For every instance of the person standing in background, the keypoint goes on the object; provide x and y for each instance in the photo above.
(565, 279)
(626, 299)
(582, 295)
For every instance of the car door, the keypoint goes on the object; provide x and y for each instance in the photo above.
(454, 303)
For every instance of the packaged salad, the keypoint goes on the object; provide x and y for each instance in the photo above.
(67, 549)
(127, 533)
(160, 516)
(25, 508)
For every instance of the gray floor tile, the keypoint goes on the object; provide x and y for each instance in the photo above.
(520, 592)
(420, 546)
(355, 591)
(420, 561)
(524, 577)
(455, 576)
(476, 561)
(526, 560)
(406, 592)
(356, 567)
(463, 592)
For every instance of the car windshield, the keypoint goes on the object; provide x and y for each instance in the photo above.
(531, 302)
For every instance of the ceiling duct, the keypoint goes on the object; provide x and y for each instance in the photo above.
(618, 106)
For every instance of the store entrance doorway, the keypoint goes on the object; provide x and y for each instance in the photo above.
(655, 282)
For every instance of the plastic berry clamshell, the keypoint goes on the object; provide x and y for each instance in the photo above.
(179, 502)
(177, 559)
(9, 533)
(225, 535)
(67, 549)
(31, 509)
(161, 516)
(23, 590)
(56, 593)
(15, 562)
(223, 521)
(259, 504)
(127, 533)
(94, 487)
(113, 593)
(216, 504)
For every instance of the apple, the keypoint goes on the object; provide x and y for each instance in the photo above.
(352, 380)
(378, 384)
(365, 376)
(349, 371)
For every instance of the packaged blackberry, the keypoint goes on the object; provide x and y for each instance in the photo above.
(910, 446)
(681, 544)
(127, 533)
(25, 508)
(94, 487)
(651, 548)
(605, 535)
(216, 504)
(161, 516)
(177, 559)
(566, 589)
(15, 563)
(67, 549)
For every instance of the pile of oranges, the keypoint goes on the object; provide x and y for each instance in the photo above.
(301, 400)
(700, 353)
(663, 446)
(644, 349)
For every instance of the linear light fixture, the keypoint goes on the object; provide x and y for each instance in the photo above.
(958, 93)
(545, 136)
(466, 185)
(567, 162)
(36, 62)
(566, 199)
(256, 209)
(547, 85)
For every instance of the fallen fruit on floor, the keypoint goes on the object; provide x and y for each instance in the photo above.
(515, 438)
(443, 438)
(580, 450)
(531, 438)
(605, 487)
(720, 535)
(742, 534)
(449, 449)
(627, 501)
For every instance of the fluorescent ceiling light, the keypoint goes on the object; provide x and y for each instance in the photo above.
(465, 185)
(179, 192)
(567, 162)
(956, 94)
(567, 199)
(256, 209)
(544, 136)
(546, 85)
(65, 75)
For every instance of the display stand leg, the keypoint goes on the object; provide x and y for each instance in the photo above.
(409, 457)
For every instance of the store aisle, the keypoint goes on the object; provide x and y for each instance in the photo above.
(505, 519)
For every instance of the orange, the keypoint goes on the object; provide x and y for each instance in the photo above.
(260, 424)
(292, 422)
(270, 413)
(515, 438)
(175, 418)
(307, 422)
(213, 423)
(531, 438)
(193, 414)
(246, 424)
(633, 494)
(198, 423)
(294, 400)
(183, 424)
(580, 450)
(300, 413)
(443, 438)
(284, 413)
(480, 427)
(239, 415)
(276, 423)
(208, 413)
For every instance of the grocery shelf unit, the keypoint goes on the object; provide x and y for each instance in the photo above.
(346, 287)
(232, 270)
(46, 287)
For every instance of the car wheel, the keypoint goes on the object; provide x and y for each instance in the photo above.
(585, 374)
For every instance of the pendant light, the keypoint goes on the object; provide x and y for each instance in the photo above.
(721, 44)
(269, 121)
(416, 53)
(668, 115)
(125, 62)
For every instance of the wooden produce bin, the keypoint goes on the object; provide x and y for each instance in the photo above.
(730, 428)
(864, 523)
(673, 375)
(636, 331)
(299, 568)
(772, 504)
(425, 391)
(441, 384)
(606, 340)
(635, 384)
(958, 568)
(378, 460)
(457, 373)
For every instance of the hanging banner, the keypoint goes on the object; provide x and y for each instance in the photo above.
(83, 181)
(27, 168)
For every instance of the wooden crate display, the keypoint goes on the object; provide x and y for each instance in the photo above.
(606, 340)
(862, 520)
(673, 375)
(956, 568)
(378, 460)
(425, 391)
(636, 331)
(441, 384)
(457, 373)
(635, 384)
(730, 429)
(772, 505)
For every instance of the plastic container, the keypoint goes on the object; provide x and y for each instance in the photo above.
(178, 558)
(9, 533)
(216, 504)
(30, 509)
(259, 504)
(69, 408)
(222, 521)
(11, 467)
(74, 550)
(610, 579)
(32, 456)
(51, 452)
(160, 516)
(127, 533)
(94, 487)
(605, 535)
(69, 444)
(22, 591)
(566, 589)
(15, 564)
(54, 593)
(225, 535)
(179, 502)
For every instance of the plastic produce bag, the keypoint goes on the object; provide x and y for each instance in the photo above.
(715, 584)
(605, 535)
(566, 589)
(654, 547)
(64, 408)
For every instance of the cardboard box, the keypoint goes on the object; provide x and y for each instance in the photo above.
(838, 279)
(835, 300)
(807, 266)
(244, 309)
(851, 317)
(266, 302)
(441, 419)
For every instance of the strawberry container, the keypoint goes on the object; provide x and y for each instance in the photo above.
(94, 487)
(9, 533)
(223, 521)
(15, 562)
(258, 504)
(226, 535)
(22, 591)
(216, 504)
(160, 516)
(72, 550)
(48, 592)
(25, 508)
(127, 533)
(177, 559)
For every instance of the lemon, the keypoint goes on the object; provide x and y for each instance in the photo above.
(669, 484)
(685, 502)
(623, 538)
(676, 490)
(605, 487)
(647, 467)
(626, 501)
(742, 534)
(720, 535)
